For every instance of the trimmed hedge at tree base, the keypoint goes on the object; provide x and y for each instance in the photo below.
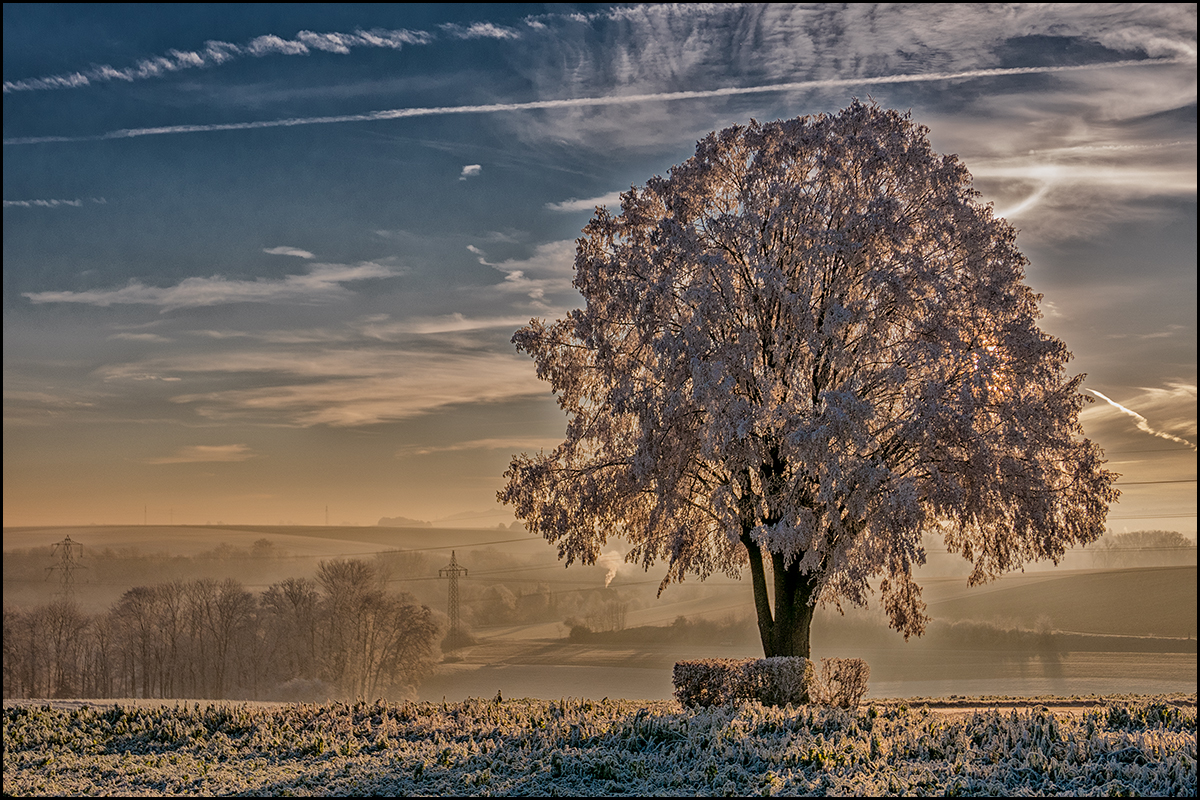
(775, 681)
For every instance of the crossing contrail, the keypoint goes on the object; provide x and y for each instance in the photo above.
(1142, 423)
(582, 102)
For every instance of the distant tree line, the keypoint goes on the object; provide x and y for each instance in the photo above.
(25, 568)
(1145, 549)
(342, 634)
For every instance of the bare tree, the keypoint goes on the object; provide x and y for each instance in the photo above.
(807, 346)
(407, 646)
(100, 676)
(25, 672)
(372, 640)
(231, 616)
(136, 613)
(215, 640)
(350, 590)
(199, 602)
(65, 632)
(290, 621)
(170, 624)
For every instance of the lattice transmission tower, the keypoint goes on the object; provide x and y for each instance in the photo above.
(68, 553)
(452, 571)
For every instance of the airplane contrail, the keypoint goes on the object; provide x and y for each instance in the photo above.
(215, 52)
(1142, 423)
(580, 102)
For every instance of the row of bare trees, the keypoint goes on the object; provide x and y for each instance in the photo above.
(343, 634)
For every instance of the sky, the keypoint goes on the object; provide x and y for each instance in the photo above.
(262, 262)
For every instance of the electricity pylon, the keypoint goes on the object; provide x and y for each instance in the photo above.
(67, 551)
(452, 571)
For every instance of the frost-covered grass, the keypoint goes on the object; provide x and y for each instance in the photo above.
(1143, 746)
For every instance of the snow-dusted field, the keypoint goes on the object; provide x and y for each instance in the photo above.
(1114, 746)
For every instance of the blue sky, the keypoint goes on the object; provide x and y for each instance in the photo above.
(260, 260)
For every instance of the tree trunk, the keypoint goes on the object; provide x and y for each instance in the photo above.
(786, 632)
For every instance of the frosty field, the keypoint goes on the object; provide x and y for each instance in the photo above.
(1082, 746)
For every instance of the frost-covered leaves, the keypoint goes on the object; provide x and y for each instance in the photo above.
(775, 681)
(573, 747)
(811, 335)
(772, 681)
(842, 682)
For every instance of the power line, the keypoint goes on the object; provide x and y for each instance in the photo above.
(361, 554)
(473, 544)
(452, 571)
(67, 550)
(1157, 516)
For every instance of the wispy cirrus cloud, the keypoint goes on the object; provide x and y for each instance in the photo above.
(386, 329)
(656, 42)
(206, 454)
(288, 251)
(515, 444)
(479, 30)
(76, 203)
(372, 370)
(640, 47)
(214, 53)
(549, 271)
(140, 337)
(217, 52)
(1078, 156)
(323, 282)
(1055, 182)
(41, 408)
(351, 387)
(612, 200)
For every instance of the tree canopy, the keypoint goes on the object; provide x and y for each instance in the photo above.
(810, 343)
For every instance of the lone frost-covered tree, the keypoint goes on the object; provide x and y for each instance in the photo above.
(808, 346)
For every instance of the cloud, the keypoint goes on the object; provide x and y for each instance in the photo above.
(216, 52)
(288, 251)
(470, 171)
(612, 200)
(1069, 198)
(367, 371)
(204, 453)
(479, 30)
(322, 284)
(133, 375)
(269, 44)
(661, 41)
(1026, 204)
(34, 408)
(42, 203)
(550, 270)
(584, 102)
(353, 387)
(1050, 309)
(371, 370)
(76, 203)
(1142, 423)
(388, 330)
(1127, 179)
(140, 337)
(1072, 158)
(659, 47)
(512, 444)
